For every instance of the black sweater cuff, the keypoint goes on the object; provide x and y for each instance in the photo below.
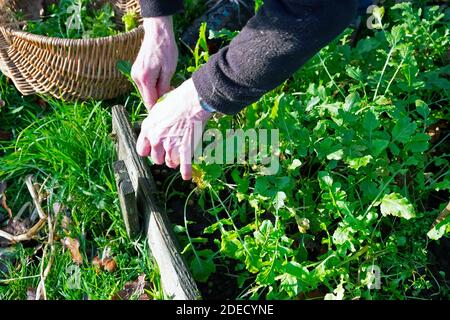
(159, 8)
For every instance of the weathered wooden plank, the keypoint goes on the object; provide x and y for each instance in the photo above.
(177, 282)
(127, 199)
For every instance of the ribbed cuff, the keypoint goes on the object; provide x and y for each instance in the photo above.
(159, 8)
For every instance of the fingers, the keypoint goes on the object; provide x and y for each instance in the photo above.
(146, 82)
(149, 92)
(143, 147)
(171, 148)
(157, 153)
(186, 153)
(185, 163)
(170, 152)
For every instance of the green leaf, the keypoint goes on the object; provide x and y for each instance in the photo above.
(230, 245)
(278, 202)
(403, 130)
(396, 205)
(124, 67)
(296, 269)
(336, 155)
(329, 148)
(394, 149)
(325, 180)
(418, 143)
(357, 163)
(295, 164)
(422, 109)
(355, 73)
(202, 265)
(268, 186)
(222, 34)
(341, 235)
(437, 232)
(130, 20)
(370, 121)
(289, 283)
(338, 293)
(378, 146)
(267, 275)
(17, 110)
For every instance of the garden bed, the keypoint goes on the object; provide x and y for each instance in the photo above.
(363, 180)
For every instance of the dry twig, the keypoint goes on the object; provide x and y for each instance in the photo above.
(31, 233)
(5, 205)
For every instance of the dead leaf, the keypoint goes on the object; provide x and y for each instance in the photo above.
(3, 187)
(133, 290)
(17, 227)
(97, 263)
(66, 221)
(109, 264)
(5, 205)
(74, 247)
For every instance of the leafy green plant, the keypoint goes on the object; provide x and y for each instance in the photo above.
(358, 169)
(78, 19)
(68, 148)
(363, 182)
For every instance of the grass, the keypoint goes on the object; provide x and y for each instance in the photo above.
(69, 147)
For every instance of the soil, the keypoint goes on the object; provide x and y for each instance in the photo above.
(223, 283)
(440, 258)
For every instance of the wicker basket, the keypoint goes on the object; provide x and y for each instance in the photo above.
(67, 68)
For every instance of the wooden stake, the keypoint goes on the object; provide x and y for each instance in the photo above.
(176, 279)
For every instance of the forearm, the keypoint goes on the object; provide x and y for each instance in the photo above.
(273, 45)
(158, 8)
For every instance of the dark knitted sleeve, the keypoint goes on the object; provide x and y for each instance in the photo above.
(282, 36)
(158, 8)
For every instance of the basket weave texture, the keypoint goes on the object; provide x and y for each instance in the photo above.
(67, 68)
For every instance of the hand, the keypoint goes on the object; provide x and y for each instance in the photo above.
(157, 60)
(167, 134)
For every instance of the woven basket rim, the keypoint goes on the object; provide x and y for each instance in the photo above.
(69, 68)
(68, 42)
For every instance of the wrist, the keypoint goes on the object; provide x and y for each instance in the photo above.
(197, 103)
(157, 23)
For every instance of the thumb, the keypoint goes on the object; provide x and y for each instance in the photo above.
(143, 147)
(149, 91)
